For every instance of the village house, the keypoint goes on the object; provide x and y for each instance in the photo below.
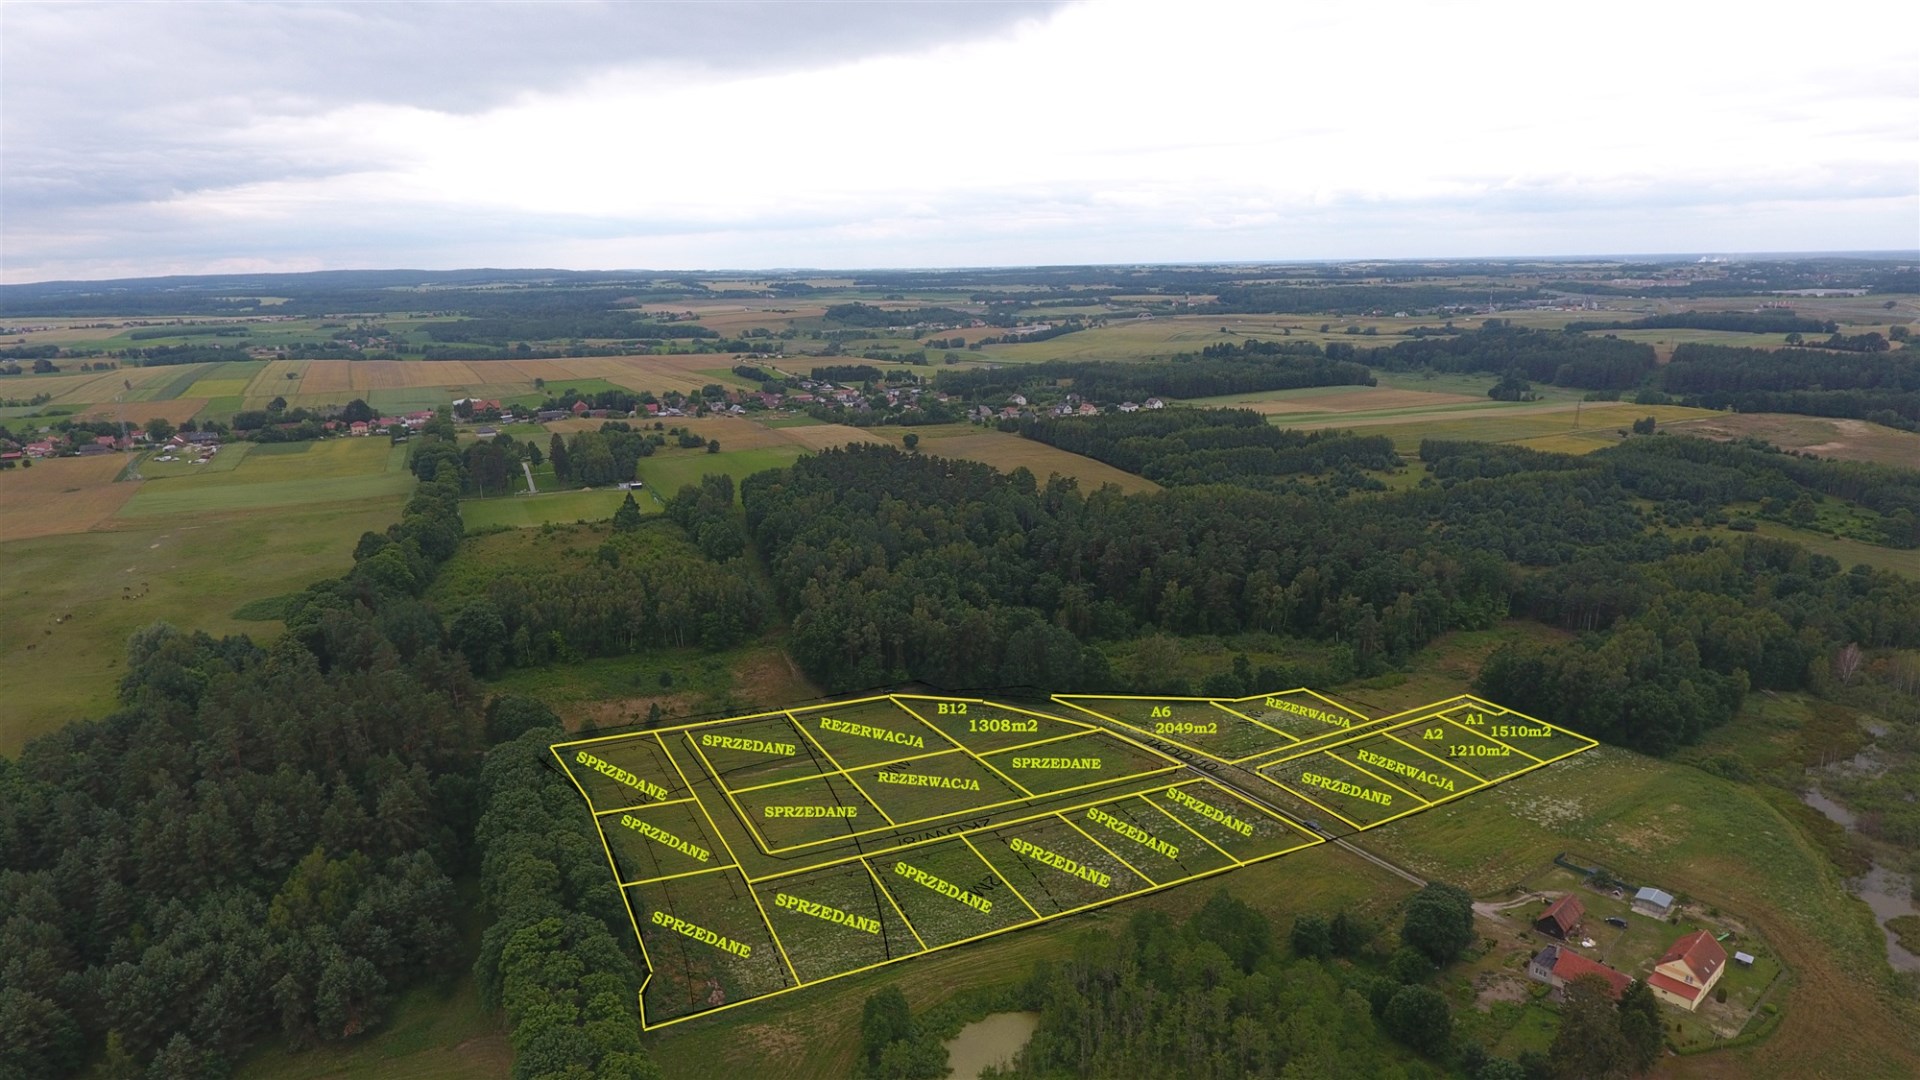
(1017, 399)
(1155, 403)
(1562, 918)
(358, 427)
(1688, 970)
(1129, 406)
(1557, 965)
(1088, 408)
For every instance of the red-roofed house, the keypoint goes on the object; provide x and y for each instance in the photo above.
(580, 408)
(1561, 918)
(358, 427)
(1689, 969)
(1557, 965)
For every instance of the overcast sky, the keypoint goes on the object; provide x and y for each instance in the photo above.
(142, 139)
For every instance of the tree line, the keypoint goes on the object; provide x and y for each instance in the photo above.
(1813, 382)
(1575, 360)
(1247, 369)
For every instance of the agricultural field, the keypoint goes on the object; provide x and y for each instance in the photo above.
(1563, 427)
(61, 495)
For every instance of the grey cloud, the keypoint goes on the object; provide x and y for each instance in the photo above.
(130, 102)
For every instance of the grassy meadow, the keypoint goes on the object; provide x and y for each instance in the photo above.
(74, 598)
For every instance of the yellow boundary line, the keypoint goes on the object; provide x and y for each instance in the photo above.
(841, 772)
(643, 806)
(677, 877)
(1287, 735)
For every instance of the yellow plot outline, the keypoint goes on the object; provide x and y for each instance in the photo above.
(1072, 701)
(1425, 714)
(760, 840)
(1386, 725)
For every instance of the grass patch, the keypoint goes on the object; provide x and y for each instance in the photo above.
(265, 609)
(556, 507)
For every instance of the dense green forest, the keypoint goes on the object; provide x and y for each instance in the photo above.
(897, 568)
(1217, 446)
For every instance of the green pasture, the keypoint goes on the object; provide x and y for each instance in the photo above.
(668, 470)
(282, 474)
(175, 387)
(76, 597)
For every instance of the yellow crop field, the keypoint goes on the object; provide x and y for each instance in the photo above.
(277, 378)
(1007, 452)
(174, 411)
(327, 377)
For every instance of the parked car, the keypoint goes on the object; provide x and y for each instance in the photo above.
(1615, 920)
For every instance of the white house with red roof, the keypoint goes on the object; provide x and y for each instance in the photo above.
(1688, 970)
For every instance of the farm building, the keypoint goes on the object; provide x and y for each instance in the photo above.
(1652, 901)
(1557, 965)
(1688, 970)
(1562, 917)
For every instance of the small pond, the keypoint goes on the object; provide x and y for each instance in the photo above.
(993, 1040)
